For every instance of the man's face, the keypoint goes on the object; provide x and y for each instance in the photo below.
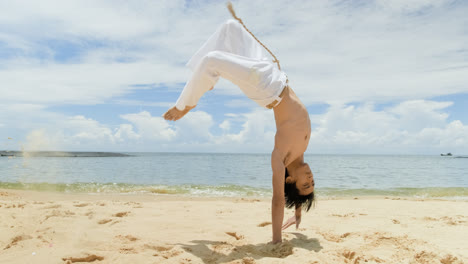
(305, 180)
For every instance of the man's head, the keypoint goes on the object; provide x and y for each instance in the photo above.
(299, 187)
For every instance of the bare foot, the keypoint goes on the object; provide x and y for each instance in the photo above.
(175, 114)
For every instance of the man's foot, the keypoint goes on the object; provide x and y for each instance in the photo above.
(175, 114)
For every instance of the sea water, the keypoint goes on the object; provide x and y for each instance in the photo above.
(238, 175)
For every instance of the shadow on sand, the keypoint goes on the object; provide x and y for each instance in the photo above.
(219, 251)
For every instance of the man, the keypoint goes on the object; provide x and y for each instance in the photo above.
(232, 53)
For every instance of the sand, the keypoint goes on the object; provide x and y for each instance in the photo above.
(40, 227)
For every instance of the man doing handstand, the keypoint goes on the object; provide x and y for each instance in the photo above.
(234, 54)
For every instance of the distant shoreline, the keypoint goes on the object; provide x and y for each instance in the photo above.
(66, 154)
(11, 153)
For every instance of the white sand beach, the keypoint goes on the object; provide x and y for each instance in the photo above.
(43, 227)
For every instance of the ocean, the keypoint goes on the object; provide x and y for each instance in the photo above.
(236, 175)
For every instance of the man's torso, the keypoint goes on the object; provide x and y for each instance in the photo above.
(292, 127)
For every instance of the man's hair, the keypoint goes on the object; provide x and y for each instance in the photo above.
(294, 199)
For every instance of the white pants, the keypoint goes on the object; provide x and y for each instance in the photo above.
(232, 53)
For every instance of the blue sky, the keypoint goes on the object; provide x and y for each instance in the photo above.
(377, 77)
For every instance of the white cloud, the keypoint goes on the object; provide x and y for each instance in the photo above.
(256, 135)
(225, 125)
(331, 50)
(414, 127)
(335, 52)
(88, 130)
(149, 127)
(144, 103)
(411, 127)
(195, 127)
(126, 132)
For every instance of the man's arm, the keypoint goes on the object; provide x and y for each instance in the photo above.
(277, 202)
(298, 214)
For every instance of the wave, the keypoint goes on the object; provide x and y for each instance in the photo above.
(229, 190)
(186, 189)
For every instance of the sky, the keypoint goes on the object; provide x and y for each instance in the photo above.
(376, 76)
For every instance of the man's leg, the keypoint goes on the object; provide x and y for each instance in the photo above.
(237, 69)
(229, 37)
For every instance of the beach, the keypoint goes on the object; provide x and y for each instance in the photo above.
(54, 227)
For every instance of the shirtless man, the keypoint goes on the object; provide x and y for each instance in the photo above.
(232, 53)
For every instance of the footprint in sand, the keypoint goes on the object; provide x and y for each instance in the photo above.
(81, 205)
(58, 213)
(15, 206)
(134, 204)
(352, 256)
(127, 237)
(455, 220)
(449, 259)
(16, 239)
(424, 257)
(427, 257)
(43, 239)
(128, 250)
(89, 258)
(121, 214)
(89, 214)
(248, 260)
(344, 215)
(54, 206)
(264, 224)
(349, 255)
(104, 221)
(127, 244)
(223, 211)
(164, 251)
(234, 234)
(247, 200)
(333, 237)
(43, 230)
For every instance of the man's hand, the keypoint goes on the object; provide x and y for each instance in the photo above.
(296, 219)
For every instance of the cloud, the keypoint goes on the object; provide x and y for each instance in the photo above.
(144, 103)
(256, 134)
(409, 127)
(331, 50)
(149, 127)
(126, 132)
(353, 56)
(416, 127)
(88, 130)
(225, 125)
(195, 127)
